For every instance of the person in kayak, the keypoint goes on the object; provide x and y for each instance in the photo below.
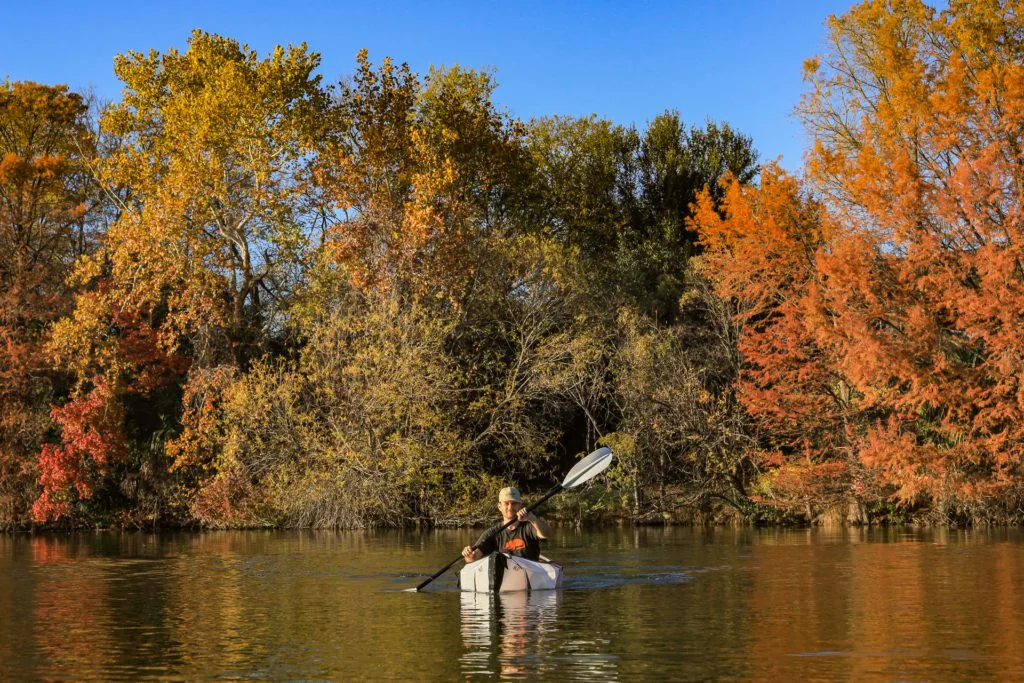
(521, 539)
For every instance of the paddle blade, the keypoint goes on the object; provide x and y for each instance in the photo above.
(588, 468)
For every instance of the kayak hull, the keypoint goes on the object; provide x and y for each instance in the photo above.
(501, 573)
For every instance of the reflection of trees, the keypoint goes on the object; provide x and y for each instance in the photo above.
(74, 606)
(69, 625)
(773, 605)
(95, 605)
(213, 604)
(879, 605)
(762, 605)
(17, 656)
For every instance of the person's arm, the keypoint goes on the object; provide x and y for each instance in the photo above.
(541, 528)
(486, 547)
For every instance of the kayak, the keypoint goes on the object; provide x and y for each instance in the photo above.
(501, 573)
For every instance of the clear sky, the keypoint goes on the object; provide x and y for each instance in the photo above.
(728, 60)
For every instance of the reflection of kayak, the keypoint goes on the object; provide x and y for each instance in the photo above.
(510, 635)
(503, 573)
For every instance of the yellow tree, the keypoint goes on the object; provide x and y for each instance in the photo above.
(419, 174)
(368, 171)
(214, 148)
(216, 145)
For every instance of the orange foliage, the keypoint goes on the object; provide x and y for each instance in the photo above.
(925, 287)
(44, 207)
(761, 245)
(91, 440)
(888, 332)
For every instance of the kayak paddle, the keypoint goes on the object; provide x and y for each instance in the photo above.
(585, 470)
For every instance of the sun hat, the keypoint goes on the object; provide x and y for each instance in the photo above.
(510, 493)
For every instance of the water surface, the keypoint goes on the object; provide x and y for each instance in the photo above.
(638, 604)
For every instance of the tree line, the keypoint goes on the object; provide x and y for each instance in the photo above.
(241, 296)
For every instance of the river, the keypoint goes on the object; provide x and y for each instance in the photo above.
(637, 604)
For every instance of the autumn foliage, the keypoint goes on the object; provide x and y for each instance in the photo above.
(762, 245)
(928, 187)
(904, 334)
(91, 441)
(240, 295)
(46, 199)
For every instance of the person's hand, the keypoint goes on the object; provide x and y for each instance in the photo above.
(467, 553)
(524, 515)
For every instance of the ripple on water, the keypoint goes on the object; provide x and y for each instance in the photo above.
(592, 577)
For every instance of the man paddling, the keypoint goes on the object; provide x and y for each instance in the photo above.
(521, 539)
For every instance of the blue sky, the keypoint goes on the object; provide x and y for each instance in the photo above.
(728, 60)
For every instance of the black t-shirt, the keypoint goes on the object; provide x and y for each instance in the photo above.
(521, 541)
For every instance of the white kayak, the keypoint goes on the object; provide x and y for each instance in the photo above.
(501, 573)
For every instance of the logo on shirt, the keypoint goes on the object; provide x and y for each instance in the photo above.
(515, 544)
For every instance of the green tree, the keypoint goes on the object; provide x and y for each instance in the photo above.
(671, 166)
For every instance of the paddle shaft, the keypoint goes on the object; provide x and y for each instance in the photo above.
(481, 541)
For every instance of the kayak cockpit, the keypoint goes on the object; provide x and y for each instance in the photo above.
(501, 573)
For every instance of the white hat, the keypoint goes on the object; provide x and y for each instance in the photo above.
(510, 493)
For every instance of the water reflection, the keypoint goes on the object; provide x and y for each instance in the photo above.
(504, 634)
(638, 605)
(517, 636)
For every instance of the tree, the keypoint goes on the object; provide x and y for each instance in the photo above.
(671, 166)
(214, 148)
(47, 200)
(217, 146)
(368, 171)
(420, 176)
(762, 246)
(434, 178)
(917, 117)
(580, 192)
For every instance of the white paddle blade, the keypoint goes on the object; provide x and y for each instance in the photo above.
(588, 468)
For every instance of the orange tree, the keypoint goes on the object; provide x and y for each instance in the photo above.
(917, 117)
(882, 320)
(47, 204)
(761, 246)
